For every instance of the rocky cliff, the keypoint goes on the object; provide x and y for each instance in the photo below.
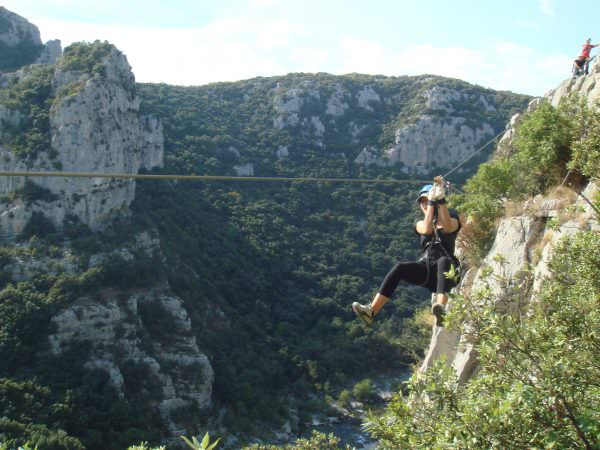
(80, 112)
(524, 240)
(321, 122)
(439, 135)
(93, 124)
(21, 44)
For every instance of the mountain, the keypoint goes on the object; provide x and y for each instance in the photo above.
(303, 123)
(143, 310)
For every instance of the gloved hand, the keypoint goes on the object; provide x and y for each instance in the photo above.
(437, 193)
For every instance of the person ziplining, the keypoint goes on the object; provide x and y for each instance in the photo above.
(437, 231)
(582, 64)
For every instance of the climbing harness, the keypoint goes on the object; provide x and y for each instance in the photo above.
(436, 242)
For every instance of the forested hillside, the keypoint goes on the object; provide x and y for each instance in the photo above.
(220, 306)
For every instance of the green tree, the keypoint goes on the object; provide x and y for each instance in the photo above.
(537, 384)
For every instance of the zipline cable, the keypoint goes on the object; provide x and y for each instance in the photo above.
(479, 150)
(143, 176)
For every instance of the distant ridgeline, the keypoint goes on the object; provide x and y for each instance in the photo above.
(143, 311)
(323, 124)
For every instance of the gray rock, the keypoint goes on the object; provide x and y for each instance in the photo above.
(51, 52)
(97, 127)
(431, 143)
(16, 29)
(115, 330)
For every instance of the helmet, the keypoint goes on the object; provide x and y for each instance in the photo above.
(424, 191)
(589, 40)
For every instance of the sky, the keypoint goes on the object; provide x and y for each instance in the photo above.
(525, 46)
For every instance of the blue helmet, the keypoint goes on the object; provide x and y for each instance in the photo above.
(424, 191)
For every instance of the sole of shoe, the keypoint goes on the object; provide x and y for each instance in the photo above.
(363, 317)
(438, 311)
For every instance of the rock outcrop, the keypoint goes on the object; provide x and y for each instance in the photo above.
(15, 29)
(522, 242)
(18, 34)
(431, 143)
(95, 125)
(441, 131)
(587, 86)
(123, 337)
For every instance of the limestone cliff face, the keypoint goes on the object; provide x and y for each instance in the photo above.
(142, 338)
(121, 334)
(16, 29)
(521, 242)
(95, 126)
(18, 33)
(587, 86)
(441, 134)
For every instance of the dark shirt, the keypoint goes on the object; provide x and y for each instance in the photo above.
(447, 240)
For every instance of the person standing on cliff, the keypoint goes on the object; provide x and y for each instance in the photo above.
(437, 231)
(583, 60)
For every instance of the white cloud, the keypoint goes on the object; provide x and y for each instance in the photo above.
(503, 66)
(547, 7)
(234, 49)
(224, 50)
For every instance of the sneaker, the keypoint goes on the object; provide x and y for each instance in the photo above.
(364, 313)
(439, 312)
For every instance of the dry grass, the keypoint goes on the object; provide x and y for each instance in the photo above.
(537, 248)
(562, 193)
(424, 319)
(513, 208)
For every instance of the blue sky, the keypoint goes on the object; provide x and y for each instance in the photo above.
(526, 46)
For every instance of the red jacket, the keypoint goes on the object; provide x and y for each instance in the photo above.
(585, 51)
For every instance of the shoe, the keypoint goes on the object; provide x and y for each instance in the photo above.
(364, 313)
(439, 312)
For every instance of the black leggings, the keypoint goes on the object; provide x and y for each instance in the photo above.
(416, 273)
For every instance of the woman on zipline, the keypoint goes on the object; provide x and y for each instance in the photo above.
(437, 231)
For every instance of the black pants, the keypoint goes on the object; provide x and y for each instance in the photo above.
(417, 273)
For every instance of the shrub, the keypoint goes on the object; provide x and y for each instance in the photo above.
(86, 57)
(364, 391)
(537, 382)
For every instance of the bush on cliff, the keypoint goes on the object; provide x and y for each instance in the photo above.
(550, 141)
(538, 381)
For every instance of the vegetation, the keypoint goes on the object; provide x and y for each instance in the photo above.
(266, 271)
(13, 57)
(550, 142)
(85, 57)
(32, 97)
(537, 385)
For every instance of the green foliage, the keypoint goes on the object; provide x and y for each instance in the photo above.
(32, 97)
(364, 390)
(316, 441)
(586, 143)
(144, 446)
(537, 384)
(266, 271)
(13, 57)
(195, 444)
(86, 57)
(549, 141)
(544, 141)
